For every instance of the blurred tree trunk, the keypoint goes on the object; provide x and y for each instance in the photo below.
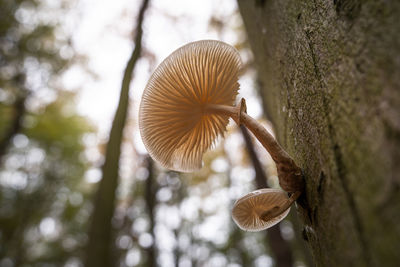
(100, 237)
(15, 245)
(329, 74)
(16, 123)
(151, 189)
(280, 247)
(236, 236)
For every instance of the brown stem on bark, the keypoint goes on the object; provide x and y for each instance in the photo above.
(289, 174)
(278, 210)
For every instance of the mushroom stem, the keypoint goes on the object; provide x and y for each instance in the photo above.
(265, 138)
(278, 210)
(290, 175)
(222, 109)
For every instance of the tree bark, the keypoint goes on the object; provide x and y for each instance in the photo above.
(328, 73)
(100, 232)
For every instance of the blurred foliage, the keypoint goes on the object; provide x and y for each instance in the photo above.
(190, 228)
(43, 208)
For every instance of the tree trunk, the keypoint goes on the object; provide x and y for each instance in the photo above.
(150, 199)
(19, 111)
(329, 76)
(98, 253)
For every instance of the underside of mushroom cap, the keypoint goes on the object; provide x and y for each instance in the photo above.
(247, 210)
(173, 123)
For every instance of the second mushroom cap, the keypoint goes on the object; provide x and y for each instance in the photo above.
(251, 212)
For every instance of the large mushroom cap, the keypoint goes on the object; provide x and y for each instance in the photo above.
(248, 210)
(174, 127)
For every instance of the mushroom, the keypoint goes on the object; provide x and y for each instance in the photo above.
(175, 123)
(262, 209)
(187, 104)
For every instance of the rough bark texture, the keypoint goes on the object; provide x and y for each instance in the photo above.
(329, 75)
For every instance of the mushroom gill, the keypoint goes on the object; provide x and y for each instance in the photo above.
(261, 209)
(174, 124)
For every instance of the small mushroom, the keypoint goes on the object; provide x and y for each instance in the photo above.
(175, 124)
(261, 209)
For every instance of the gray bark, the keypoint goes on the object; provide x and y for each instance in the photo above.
(329, 76)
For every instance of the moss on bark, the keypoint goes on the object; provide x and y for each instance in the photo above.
(329, 74)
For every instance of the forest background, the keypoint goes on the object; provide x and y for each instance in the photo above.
(77, 187)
